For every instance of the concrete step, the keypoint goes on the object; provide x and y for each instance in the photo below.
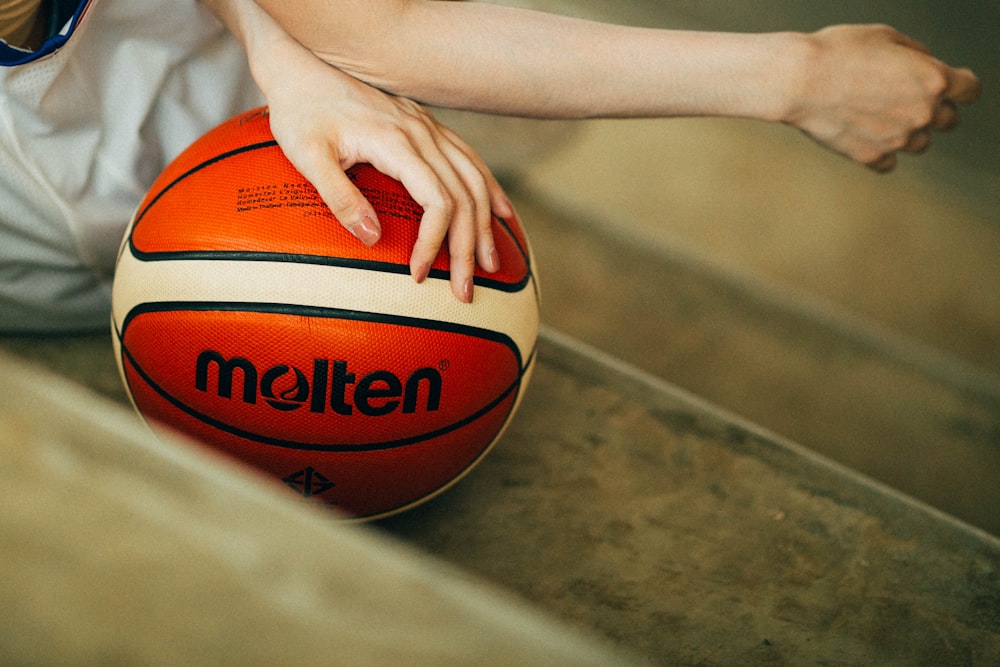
(905, 251)
(918, 420)
(121, 547)
(696, 538)
(616, 505)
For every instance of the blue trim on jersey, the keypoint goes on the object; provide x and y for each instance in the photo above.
(64, 18)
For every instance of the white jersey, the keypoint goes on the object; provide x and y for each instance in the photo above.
(84, 130)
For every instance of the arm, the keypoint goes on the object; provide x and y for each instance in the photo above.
(507, 60)
(863, 91)
(326, 121)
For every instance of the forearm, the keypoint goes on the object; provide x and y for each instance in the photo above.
(505, 60)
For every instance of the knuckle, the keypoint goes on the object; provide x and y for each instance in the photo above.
(479, 183)
(342, 204)
(302, 146)
(395, 136)
(923, 116)
(484, 224)
(883, 163)
(896, 143)
(462, 260)
(936, 82)
(463, 203)
(444, 201)
(414, 126)
(431, 194)
(426, 247)
(902, 137)
(868, 155)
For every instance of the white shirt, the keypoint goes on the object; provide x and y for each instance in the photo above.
(83, 133)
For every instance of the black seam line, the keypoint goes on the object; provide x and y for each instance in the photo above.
(525, 255)
(435, 273)
(322, 260)
(195, 169)
(323, 312)
(521, 249)
(207, 163)
(335, 448)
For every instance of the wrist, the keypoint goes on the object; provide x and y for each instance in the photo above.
(785, 71)
(795, 55)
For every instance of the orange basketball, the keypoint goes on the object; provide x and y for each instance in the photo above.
(246, 316)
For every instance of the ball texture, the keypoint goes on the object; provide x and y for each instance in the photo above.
(245, 316)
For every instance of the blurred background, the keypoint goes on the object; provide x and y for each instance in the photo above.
(855, 313)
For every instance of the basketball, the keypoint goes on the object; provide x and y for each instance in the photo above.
(246, 317)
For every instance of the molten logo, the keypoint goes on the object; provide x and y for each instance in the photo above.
(288, 388)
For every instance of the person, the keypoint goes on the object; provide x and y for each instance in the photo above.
(867, 92)
(91, 115)
(95, 98)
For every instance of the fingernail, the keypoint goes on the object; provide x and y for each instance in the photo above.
(367, 230)
(493, 261)
(467, 291)
(421, 272)
(508, 208)
(502, 207)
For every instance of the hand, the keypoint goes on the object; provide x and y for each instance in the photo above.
(326, 121)
(871, 92)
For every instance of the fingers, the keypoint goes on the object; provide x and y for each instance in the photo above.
(877, 92)
(458, 194)
(313, 158)
(457, 212)
(963, 86)
(960, 86)
(327, 121)
(440, 171)
(489, 195)
(350, 207)
(884, 164)
(946, 117)
(919, 142)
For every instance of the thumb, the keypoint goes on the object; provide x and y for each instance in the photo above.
(348, 205)
(318, 160)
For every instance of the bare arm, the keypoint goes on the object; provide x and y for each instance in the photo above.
(326, 121)
(514, 61)
(863, 91)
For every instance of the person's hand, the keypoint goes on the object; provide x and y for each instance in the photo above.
(326, 121)
(870, 92)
